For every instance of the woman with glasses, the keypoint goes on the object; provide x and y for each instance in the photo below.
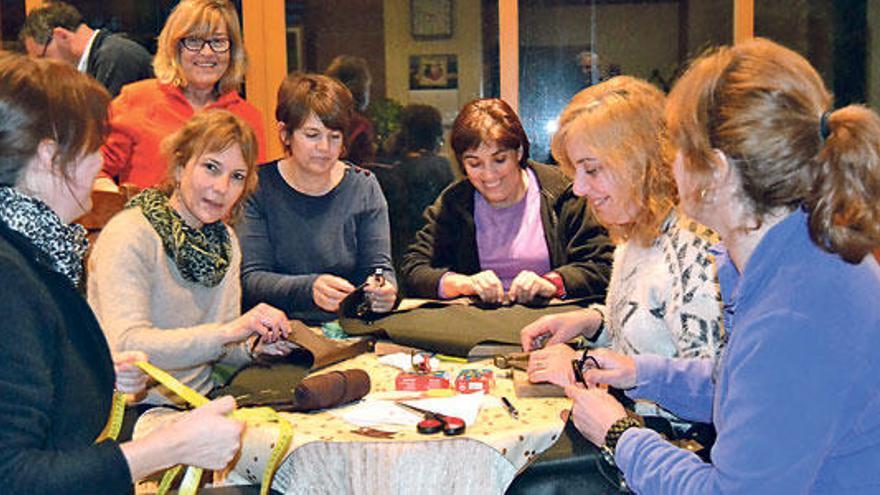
(57, 382)
(200, 64)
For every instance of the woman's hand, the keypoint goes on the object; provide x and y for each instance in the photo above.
(329, 290)
(278, 348)
(552, 364)
(594, 411)
(559, 328)
(206, 437)
(129, 378)
(382, 296)
(484, 285)
(270, 323)
(614, 369)
(528, 285)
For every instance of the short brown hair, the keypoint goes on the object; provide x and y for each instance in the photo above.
(200, 18)
(302, 94)
(40, 22)
(761, 104)
(621, 121)
(46, 99)
(211, 131)
(488, 119)
(354, 73)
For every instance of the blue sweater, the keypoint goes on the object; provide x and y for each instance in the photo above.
(289, 238)
(795, 398)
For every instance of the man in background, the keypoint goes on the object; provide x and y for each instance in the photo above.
(57, 31)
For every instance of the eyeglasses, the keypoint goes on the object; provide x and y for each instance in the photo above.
(194, 44)
(46, 46)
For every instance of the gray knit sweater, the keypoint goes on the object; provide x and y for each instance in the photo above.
(144, 304)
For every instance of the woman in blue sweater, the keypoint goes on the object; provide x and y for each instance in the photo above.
(791, 187)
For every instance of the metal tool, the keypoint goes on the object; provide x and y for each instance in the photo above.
(435, 422)
(518, 360)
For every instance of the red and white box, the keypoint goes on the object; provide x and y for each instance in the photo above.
(417, 382)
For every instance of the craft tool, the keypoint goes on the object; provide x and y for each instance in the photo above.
(434, 422)
(510, 409)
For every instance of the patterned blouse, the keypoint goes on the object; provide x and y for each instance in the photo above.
(664, 299)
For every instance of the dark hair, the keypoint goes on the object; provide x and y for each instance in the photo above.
(421, 128)
(45, 99)
(354, 73)
(211, 131)
(40, 22)
(761, 104)
(488, 119)
(302, 94)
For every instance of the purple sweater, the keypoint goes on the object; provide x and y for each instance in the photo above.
(795, 398)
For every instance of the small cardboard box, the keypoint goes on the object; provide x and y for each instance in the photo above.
(416, 382)
(472, 380)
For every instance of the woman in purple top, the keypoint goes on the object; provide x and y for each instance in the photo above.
(791, 186)
(512, 229)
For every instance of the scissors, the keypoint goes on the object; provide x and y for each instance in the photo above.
(434, 423)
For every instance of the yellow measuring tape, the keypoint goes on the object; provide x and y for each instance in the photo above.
(190, 483)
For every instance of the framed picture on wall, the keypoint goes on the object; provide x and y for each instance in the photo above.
(433, 72)
(295, 62)
(431, 19)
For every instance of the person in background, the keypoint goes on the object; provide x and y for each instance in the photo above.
(353, 72)
(511, 229)
(164, 276)
(56, 30)
(200, 65)
(416, 175)
(57, 384)
(791, 187)
(316, 226)
(663, 296)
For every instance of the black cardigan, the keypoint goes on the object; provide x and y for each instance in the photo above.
(579, 248)
(56, 382)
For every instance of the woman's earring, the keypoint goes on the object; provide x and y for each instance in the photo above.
(705, 196)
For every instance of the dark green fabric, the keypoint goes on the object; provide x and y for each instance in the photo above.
(452, 329)
(202, 256)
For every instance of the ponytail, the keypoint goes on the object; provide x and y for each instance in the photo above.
(843, 203)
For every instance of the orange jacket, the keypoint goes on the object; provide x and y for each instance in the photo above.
(145, 113)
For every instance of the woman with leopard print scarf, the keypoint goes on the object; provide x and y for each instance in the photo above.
(58, 378)
(164, 274)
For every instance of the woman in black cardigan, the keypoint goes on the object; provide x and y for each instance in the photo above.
(511, 229)
(57, 381)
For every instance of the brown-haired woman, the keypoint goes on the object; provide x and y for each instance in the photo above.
(164, 276)
(663, 296)
(200, 65)
(511, 229)
(316, 226)
(57, 384)
(791, 186)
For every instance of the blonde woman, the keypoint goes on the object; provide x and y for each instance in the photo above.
(791, 187)
(56, 385)
(200, 65)
(164, 274)
(663, 296)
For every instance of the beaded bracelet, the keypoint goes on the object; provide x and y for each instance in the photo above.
(617, 429)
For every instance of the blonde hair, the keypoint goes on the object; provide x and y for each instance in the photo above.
(621, 121)
(763, 106)
(200, 18)
(211, 131)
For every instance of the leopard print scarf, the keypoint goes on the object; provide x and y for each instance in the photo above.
(202, 256)
(64, 245)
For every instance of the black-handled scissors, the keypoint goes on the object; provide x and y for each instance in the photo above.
(434, 422)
